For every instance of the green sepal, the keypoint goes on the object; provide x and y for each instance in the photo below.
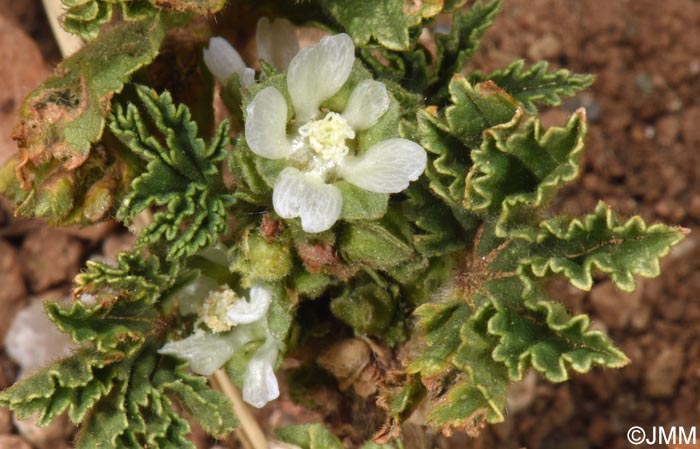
(257, 260)
(361, 204)
(373, 245)
(182, 175)
(368, 308)
(535, 85)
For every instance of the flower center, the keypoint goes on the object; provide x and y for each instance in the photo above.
(213, 310)
(326, 137)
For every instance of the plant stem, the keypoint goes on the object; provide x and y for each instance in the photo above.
(249, 433)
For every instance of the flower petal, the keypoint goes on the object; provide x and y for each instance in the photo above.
(247, 77)
(266, 125)
(277, 42)
(387, 167)
(316, 73)
(207, 352)
(243, 312)
(305, 195)
(222, 59)
(259, 382)
(368, 101)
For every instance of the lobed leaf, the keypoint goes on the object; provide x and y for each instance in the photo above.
(576, 247)
(517, 171)
(386, 21)
(536, 85)
(182, 175)
(534, 331)
(309, 436)
(454, 50)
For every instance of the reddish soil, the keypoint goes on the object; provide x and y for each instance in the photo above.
(642, 157)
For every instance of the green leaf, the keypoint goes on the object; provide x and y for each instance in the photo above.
(450, 138)
(454, 50)
(440, 325)
(477, 108)
(64, 116)
(535, 84)
(309, 436)
(211, 409)
(72, 380)
(622, 249)
(537, 332)
(105, 325)
(201, 7)
(386, 21)
(438, 232)
(520, 170)
(136, 277)
(183, 175)
(483, 395)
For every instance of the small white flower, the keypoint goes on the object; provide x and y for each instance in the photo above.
(223, 61)
(276, 42)
(208, 351)
(319, 149)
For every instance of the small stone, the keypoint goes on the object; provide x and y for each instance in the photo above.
(116, 243)
(49, 258)
(22, 68)
(667, 130)
(5, 421)
(346, 360)
(13, 291)
(33, 340)
(664, 372)
(522, 393)
(546, 47)
(49, 437)
(614, 306)
(13, 442)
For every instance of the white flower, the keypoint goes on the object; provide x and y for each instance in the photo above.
(276, 42)
(206, 351)
(320, 148)
(223, 61)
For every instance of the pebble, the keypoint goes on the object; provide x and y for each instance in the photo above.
(22, 68)
(13, 291)
(522, 393)
(546, 47)
(49, 437)
(614, 306)
(5, 421)
(664, 372)
(33, 341)
(13, 442)
(50, 257)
